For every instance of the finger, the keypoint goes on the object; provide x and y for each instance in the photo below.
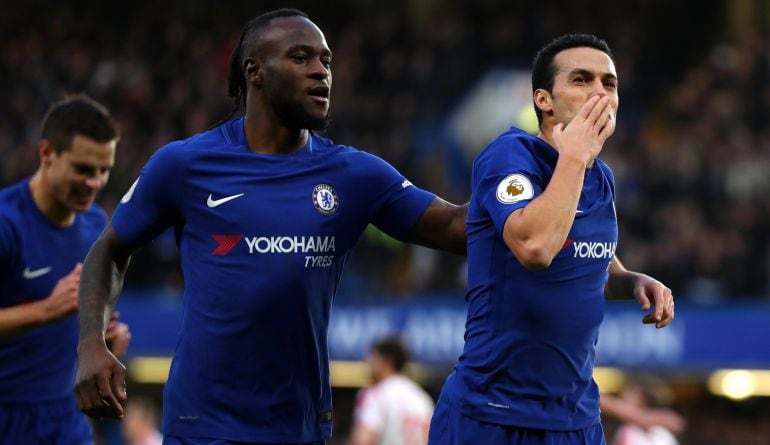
(119, 385)
(115, 315)
(76, 270)
(605, 119)
(109, 401)
(668, 316)
(659, 301)
(641, 298)
(598, 110)
(89, 400)
(588, 107)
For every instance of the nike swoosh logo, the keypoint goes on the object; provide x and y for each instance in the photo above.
(31, 274)
(211, 202)
(578, 211)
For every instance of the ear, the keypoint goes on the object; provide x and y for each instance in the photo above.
(47, 152)
(543, 100)
(253, 70)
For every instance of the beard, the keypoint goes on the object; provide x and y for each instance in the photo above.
(293, 115)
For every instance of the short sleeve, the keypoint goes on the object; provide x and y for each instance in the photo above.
(151, 204)
(505, 178)
(397, 204)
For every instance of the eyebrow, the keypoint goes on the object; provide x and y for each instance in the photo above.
(310, 49)
(585, 72)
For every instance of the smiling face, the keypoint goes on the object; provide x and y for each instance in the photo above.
(75, 175)
(581, 73)
(293, 71)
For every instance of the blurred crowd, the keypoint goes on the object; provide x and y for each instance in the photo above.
(691, 154)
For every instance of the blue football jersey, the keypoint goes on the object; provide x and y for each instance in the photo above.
(39, 365)
(263, 241)
(531, 334)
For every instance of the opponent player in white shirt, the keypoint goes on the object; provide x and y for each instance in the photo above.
(394, 410)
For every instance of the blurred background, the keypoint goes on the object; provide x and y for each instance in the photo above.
(425, 84)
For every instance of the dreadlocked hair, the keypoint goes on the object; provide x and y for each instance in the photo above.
(236, 89)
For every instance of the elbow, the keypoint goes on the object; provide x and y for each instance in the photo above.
(533, 257)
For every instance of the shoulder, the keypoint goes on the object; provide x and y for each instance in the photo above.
(11, 213)
(11, 203)
(512, 143)
(210, 140)
(355, 161)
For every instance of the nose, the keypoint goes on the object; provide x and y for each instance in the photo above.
(319, 70)
(96, 181)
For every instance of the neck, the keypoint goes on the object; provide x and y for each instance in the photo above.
(266, 135)
(43, 197)
(546, 133)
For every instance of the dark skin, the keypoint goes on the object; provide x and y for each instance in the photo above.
(291, 64)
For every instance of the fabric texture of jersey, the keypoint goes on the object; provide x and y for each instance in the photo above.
(39, 365)
(263, 241)
(398, 409)
(450, 427)
(531, 334)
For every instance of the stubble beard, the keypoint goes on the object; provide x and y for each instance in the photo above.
(293, 115)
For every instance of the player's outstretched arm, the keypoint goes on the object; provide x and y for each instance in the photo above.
(442, 227)
(100, 382)
(648, 292)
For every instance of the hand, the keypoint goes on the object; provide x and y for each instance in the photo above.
(118, 335)
(63, 300)
(583, 137)
(100, 383)
(650, 292)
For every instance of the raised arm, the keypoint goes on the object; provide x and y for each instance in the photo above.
(100, 381)
(536, 233)
(442, 227)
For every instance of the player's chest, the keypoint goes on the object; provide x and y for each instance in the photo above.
(43, 258)
(303, 202)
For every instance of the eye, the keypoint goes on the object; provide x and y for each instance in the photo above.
(299, 58)
(579, 80)
(611, 85)
(326, 63)
(83, 169)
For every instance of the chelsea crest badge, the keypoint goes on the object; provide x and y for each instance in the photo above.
(325, 199)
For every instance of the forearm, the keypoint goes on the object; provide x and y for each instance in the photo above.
(15, 320)
(620, 282)
(101, 282)
(537, 232)
(442, 227)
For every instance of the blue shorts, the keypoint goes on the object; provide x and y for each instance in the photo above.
(450, 427)
(59, 423)
(174, 440)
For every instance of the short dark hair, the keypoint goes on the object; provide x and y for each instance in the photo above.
(74, 115)
(250, 36)
(543, 68)
(393, 350)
